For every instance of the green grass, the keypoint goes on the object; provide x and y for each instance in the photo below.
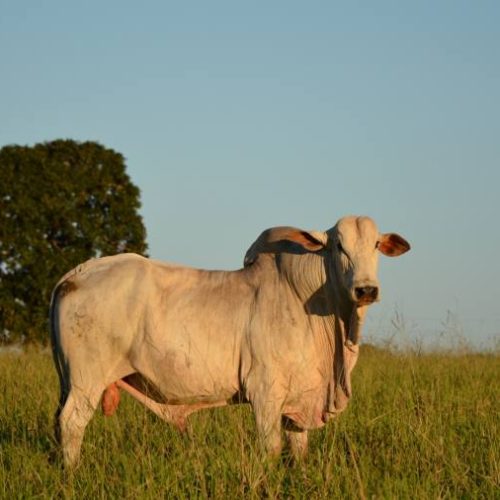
(417, 427)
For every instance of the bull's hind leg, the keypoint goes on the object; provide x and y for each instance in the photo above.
(73, 419)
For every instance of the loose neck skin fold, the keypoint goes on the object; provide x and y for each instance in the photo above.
(316, 280)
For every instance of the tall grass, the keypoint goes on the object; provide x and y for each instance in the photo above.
(418, 426)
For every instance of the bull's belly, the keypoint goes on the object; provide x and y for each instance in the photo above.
(180, 393)
(182, 379)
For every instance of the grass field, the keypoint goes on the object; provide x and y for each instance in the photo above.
(418, 427)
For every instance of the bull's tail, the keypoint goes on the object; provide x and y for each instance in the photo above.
(60, 360)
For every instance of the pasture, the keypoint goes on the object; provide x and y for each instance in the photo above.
(418, 426)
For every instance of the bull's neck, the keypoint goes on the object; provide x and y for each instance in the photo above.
(305, 274)
(316, 283)
(348, 323)
(307, 277)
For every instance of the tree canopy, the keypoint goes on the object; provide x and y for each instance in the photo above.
(61, 203)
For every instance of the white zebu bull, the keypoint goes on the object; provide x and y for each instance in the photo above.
(282, 333)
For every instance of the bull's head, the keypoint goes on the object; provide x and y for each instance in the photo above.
(355, 244)
(352, 248)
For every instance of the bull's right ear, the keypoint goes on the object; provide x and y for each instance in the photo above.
(276, 239)
(312, 241)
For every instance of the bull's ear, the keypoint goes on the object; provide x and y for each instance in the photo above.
(310, 240)
(392, 245)
(278, 239)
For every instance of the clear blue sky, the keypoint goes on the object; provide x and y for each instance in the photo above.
(237, 116)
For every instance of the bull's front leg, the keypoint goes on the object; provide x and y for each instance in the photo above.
(297, 441)
(267, 410)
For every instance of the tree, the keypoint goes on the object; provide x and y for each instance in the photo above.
(61, 203)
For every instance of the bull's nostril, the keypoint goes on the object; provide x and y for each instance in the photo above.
(366, 292)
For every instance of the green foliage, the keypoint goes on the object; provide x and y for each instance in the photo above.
(418, 427)
(61, 203)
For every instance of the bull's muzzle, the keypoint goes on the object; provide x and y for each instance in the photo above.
(366, 294)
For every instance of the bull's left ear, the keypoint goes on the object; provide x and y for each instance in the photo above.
(392, 245)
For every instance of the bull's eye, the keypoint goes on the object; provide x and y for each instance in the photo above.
(377, 245)
(343, 257)
(341, 250)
